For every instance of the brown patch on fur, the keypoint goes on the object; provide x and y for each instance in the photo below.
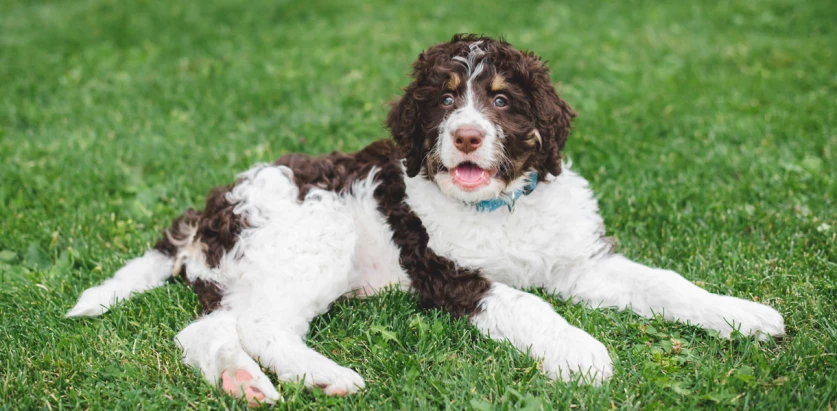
(438, 281)
(219, 226)
(215, 230)
(337, 171)
(498, 83)
(454, 81)
(209, 294)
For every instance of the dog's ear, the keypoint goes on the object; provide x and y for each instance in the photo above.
(552, 115)
(403, 122)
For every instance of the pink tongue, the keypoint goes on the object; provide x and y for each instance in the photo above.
(469, 175)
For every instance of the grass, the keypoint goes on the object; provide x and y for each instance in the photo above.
(708, 129)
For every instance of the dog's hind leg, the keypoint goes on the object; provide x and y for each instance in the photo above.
(280, 347)
(294, 260)
(272, 317)
(212, 345)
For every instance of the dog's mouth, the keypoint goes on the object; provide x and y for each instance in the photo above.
(469, 176)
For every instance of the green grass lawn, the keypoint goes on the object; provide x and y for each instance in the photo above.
(709, 132)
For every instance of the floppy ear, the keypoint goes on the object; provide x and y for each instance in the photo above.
(552, 116)
(405, 118)
(403, 122)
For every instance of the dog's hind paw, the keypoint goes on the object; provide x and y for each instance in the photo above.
(241, 377)
(93, 302)
(242, 384)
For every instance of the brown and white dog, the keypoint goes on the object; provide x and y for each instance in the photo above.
(470, 203)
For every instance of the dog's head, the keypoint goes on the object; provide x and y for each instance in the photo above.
(479, 118)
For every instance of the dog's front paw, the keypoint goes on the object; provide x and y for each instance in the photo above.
(749, 318)
(575, 353)
(335, 380)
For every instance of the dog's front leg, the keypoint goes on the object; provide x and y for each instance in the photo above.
(531, 324)
(499, 311)
(616, 281)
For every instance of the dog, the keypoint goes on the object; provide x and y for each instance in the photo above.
(467, 204)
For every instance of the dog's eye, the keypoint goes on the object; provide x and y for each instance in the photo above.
(501, 101)
(447, 100)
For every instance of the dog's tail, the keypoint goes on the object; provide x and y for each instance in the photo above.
(139, 275)
(143, 273)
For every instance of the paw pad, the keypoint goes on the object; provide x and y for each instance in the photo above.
(240, 380)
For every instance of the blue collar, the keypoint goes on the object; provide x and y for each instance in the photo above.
(495, 203)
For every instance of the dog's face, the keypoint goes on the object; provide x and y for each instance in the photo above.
(479, 118)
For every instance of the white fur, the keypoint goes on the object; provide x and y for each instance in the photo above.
(551, 230)
(212, 345)
(615, 281)
(138, 275)
(376, 259)
(486, 155)
(531, 324)
(296, 258)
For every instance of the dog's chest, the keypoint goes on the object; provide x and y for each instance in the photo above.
(503, 247)
(507, 247)
(548, 233)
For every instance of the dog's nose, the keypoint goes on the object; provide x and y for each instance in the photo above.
(467, 139)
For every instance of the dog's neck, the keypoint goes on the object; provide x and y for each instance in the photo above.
(510, 199)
